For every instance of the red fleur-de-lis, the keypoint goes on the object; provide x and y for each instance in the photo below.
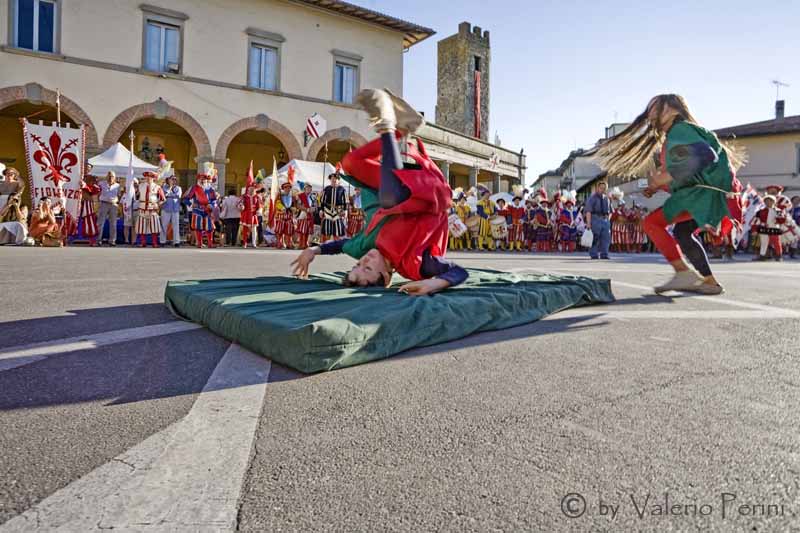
(55, 159)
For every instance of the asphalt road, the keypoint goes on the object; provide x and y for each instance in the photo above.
(652, 413)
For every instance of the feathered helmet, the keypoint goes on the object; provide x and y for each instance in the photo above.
(518, 190)
(779, 188)
(482, 191)
(569, 197)
(150, 174)
(458, 194)
(617, 193)
(209, 172)
(541, 196)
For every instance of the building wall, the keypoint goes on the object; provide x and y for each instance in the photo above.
(771, 159)
(100, 70)
(455, 105)
(216, 45)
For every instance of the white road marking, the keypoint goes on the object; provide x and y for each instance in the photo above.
(661, 339)
(765, 311)
(187, 477)
(648, 314)
(23, 355)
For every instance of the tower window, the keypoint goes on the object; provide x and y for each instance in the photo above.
(478, 63)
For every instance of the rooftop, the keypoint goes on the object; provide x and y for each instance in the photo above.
(413, 33)
(775, 126)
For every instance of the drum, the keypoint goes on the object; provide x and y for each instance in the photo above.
(456, 226)
(499, 228)
(474, 225)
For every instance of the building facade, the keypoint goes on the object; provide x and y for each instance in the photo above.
(203, 80)
(773, 151)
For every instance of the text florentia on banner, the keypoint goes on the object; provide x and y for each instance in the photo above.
(55, 158)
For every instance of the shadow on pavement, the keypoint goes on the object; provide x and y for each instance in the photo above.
(81, 322)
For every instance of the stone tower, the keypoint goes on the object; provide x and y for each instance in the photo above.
(463, 82)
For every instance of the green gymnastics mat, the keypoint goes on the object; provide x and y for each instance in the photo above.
(318, 324)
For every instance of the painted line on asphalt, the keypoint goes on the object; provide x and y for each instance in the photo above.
(17, 356)
(187, 477)
(646, 314)
(765, 311)
(784, 313)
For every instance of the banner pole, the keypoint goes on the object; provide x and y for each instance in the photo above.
(58, 106)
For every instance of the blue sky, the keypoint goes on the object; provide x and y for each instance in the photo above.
(563, 70)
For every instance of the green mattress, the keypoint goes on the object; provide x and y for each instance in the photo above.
(318, 324)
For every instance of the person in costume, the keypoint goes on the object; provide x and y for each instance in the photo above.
(334, 207)
(355, 215)
(43, 228)
(283, 224)
(530, 216)
(485, 210)
(568, 225)
(248, 215)
(767, 224)
(463, 212)
(306, 205)
(794, 215)
(543, 224)
(406, 207)
(516, 229)
(501, 210)
(694, 166)
(618, 220)
(203, 198)
(88, 216)
(723, 238)
(637, 229)
(151, 197)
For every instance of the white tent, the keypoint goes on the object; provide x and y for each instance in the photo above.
(117, 158)
(504, 195)
(306, 171)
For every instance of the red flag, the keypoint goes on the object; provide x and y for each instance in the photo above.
(251, 180)
(339, 167)
(291, 175)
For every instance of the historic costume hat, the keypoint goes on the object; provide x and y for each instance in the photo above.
(779, 187)
(209, 172)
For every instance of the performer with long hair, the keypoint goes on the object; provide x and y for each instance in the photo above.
(694, 166)
(406, 207)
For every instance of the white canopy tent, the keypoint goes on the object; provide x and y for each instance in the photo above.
(116, 159)
(311, 172)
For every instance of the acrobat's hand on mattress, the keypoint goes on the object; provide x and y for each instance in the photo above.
(301, 264)
(425, 286)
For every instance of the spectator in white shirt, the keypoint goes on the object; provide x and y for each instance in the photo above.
(230, 214)
(109, 202)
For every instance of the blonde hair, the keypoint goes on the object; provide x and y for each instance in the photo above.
(632, 152)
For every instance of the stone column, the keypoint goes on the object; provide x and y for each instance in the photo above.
(473, 177)
(444, 166)
(496, 182)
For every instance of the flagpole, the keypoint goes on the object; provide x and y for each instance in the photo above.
(58, 106)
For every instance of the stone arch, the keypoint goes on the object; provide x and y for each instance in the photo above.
(161, 110)
(339, 134)
(260, 122)
(36, 94)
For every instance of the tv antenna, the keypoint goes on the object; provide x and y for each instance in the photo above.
(778, 84)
